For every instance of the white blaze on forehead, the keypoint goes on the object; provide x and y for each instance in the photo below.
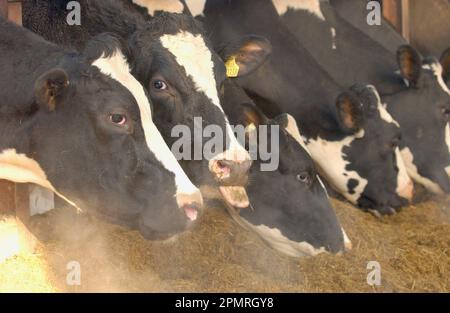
(196, 6)
(408, 158)
(329, 157)
(384, 114)
(19, 168)
(174, 6)
(117, 67)
(312, 6)
(293, 130)
(192, 53)
(436, 68)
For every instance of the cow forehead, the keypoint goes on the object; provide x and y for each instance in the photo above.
(385, 116)
(312, 6)
(332, 163)
(192, 53)
(436, 69)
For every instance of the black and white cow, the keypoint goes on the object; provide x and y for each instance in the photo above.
(174, 61)
(416, 97)
(289, 207)
(352, 141)
(86, 133)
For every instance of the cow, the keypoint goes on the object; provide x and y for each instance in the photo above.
(84, 130)
(352, 141)
(289, 207)
(412, 88)
(174, 61)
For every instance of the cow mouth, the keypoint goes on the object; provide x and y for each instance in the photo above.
(235, 196)
(191, 212)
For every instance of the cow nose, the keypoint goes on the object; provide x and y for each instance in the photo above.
(231, 173)
(407, 191)
(191, 204)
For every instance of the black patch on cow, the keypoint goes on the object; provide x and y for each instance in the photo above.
(351, 185)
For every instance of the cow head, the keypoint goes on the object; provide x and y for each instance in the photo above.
(289, 207)
(93, 137)
(183, 75)
(422, 109)
(365, 164)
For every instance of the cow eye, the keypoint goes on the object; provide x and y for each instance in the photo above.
(160, 85)
(118, 119)
(303, 177)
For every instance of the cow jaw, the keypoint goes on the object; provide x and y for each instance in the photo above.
(408, 158)
(235, 196)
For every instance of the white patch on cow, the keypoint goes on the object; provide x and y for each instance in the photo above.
(330, 160)
(408, 158)
(276, 239)
(312, 6)
(196, 6)
(384, 114)
(403, 179)
(333, 38)
(174, 6)
(293, 130)
(347, 242)
(322, 184)
(436, 69)
(21, 169)
(192, 53)
(117, 67)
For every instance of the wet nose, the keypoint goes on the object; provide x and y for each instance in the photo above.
(231, 173)
(407, 191)
(190, 203)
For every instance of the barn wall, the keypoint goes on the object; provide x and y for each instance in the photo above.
(430, 26)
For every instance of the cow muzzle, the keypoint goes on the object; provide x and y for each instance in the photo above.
(191, 204)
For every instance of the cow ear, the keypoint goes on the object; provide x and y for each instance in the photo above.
(445, 62)
(50, 87)
(350, 112)
(253, 115)
(246, 56)
(410, 63)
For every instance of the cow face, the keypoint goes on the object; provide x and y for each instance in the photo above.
(183, 76)
(422, 109)
(289, 207)
(99, 147)
(365, 165)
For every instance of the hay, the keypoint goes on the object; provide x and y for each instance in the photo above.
(413, 249)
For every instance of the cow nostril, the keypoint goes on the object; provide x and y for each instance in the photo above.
(222, 169)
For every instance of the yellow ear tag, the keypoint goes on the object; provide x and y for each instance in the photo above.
(232, 67)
